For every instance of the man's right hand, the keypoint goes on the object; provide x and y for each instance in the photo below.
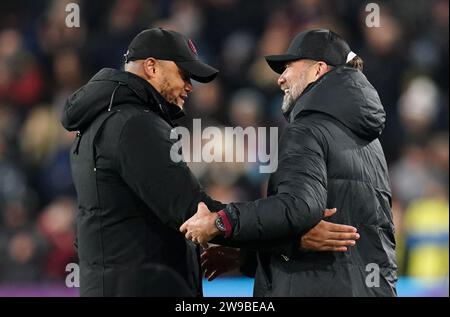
(328, 236)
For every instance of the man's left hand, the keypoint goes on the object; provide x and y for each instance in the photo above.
(201, 227)
(328, 236)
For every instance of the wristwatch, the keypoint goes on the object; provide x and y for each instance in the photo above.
(220, 225)
(223, 224)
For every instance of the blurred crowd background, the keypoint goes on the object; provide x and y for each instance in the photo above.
(42, 61)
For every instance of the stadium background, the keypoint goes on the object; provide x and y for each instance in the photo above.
(42, 62)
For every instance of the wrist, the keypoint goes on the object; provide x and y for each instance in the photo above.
(214, 229)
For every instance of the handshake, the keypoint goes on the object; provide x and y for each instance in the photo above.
(325, 236)
(216, 260)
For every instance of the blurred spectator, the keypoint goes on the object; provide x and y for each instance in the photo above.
(21, 80)
(22, 249)
(410, 175)
(418, 107)
(206, 102)
(246, 108)
(21, 260)
(13, 187)
(54, 35)
(426, 233)
(39, 135)
(56, 224)
(69, 76)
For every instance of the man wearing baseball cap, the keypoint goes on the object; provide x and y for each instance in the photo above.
(329, 156)
(131, 196)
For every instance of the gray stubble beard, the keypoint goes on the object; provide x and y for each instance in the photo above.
(288, 103)
(295, 91)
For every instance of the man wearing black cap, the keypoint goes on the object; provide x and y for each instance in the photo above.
(329, 156)
(131, 196)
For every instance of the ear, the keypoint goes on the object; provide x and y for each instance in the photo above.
(150, 67)
(322, 69)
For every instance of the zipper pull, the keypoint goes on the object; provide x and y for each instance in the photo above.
(75, 151)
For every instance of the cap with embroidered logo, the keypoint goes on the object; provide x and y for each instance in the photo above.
(172, 46)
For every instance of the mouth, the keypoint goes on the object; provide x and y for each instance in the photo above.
(182, 99)
(286, 91)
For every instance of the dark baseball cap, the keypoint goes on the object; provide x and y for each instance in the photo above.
(172, 46)
(319, 45)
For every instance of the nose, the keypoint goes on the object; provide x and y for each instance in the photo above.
(188, 86)
(281, 80)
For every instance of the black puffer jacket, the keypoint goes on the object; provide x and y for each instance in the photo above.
(132, 197)
(329, 156)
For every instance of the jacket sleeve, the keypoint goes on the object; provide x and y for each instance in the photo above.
(168, 188)
(301, 192)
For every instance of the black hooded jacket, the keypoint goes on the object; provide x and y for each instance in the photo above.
(132, 197)
(329, 156)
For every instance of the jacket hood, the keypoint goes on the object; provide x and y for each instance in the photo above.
(346, 95)
(108, 88)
